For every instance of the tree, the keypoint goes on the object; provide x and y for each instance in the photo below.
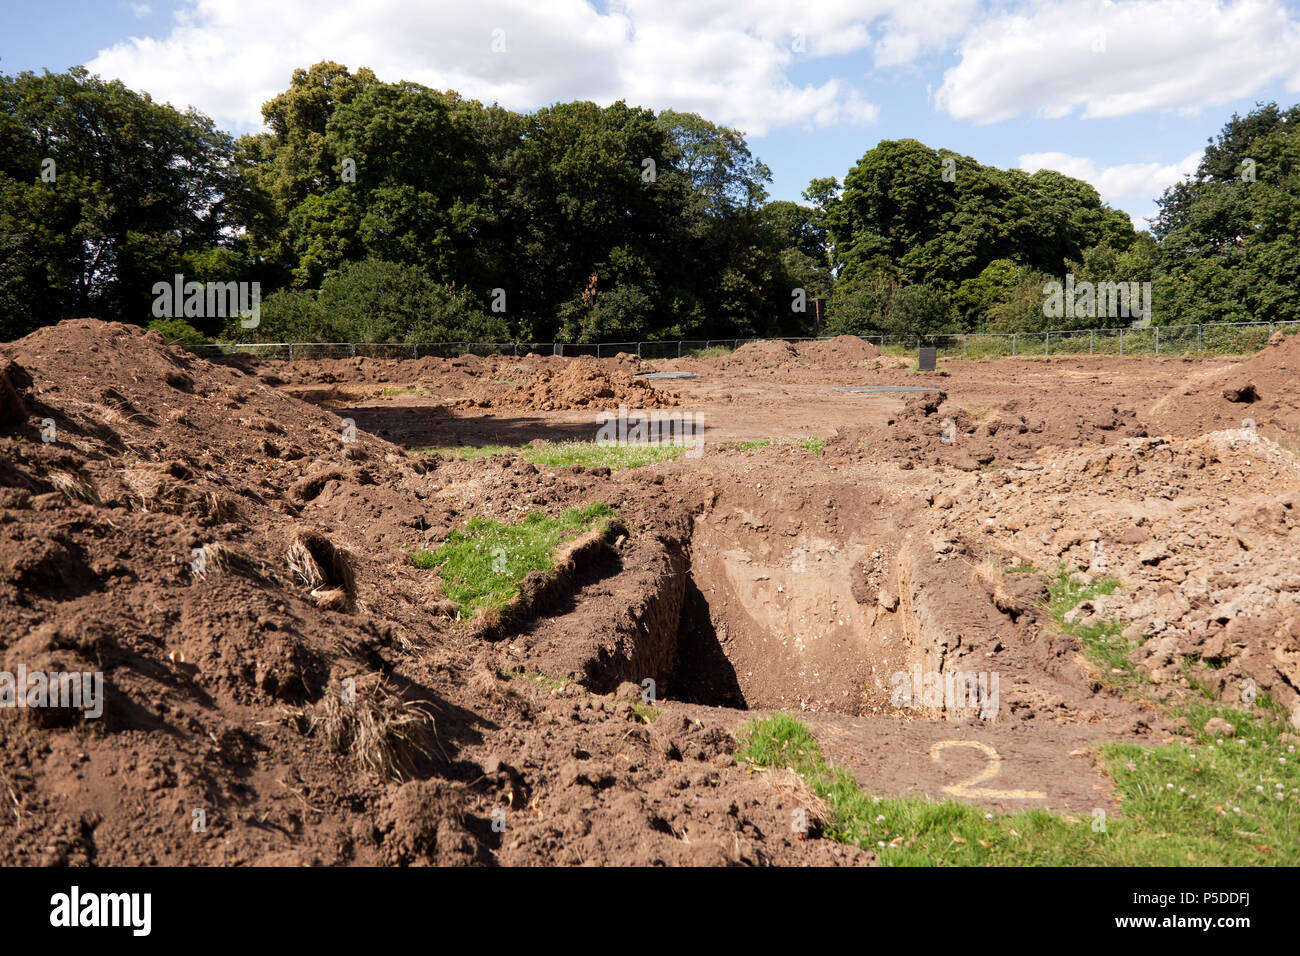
(103, 192)
(933, 217)
(376, 301)
(1229, 235)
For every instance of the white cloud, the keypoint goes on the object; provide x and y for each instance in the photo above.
(1118, 58)
(140, 10)
(730, 62)
(1115, 183)
(1126, 186)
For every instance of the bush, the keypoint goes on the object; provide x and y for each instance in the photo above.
(177, 332)
(859, 307)
(621, 314)
(918, 310)
(377, 301)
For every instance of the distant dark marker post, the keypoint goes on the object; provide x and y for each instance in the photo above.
(926, 359)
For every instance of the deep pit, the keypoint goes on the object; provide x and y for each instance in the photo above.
(814, 599)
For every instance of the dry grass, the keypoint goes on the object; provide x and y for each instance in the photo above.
(488, 685)
(380, 732)
(219, 557)
(795, 789)
(220, 508)
(74, 486)
(989, 574)
(324, 568)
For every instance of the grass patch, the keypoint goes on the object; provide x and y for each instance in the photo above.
(565, 454)
(406, 391)
(483, 564)
(1190, 802)
(713, 351)
(1104, 643)
(592, 455)
(646, 713)
(1024, 567)
(814, 445)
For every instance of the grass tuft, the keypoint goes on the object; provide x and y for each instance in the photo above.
(483, 564)
(566, 454)
(380, 732)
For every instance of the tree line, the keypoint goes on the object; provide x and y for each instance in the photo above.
(373, 211)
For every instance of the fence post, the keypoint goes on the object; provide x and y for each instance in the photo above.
(679, 348)
(638, 350)
(963, 345)
(1200, 345)
(1121, 341)
(1047, 344)
(1157, 340)
(1092, 338)
(1013, 345)
(290, 351)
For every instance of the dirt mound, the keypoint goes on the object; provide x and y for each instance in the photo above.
(931, 429)
(1202, 534)
(761, 355)
(840, 350)
(578, 383)
(279, 683)
(1262, 389)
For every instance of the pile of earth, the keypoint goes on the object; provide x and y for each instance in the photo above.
(932, 430)
(1264, 389)
(1203, 534)
(578, 383)
(764, 354)
(235, 563)
(840, 350)
(775, 353)
(428, 370)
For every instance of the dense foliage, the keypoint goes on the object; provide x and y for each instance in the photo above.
(372, 211)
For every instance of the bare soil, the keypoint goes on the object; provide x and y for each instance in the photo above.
(750, 580)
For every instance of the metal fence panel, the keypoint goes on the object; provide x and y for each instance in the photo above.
(1222, 338)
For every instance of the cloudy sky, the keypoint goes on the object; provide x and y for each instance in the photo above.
(1122, 94)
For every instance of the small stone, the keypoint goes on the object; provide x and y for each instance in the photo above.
(1219, 727)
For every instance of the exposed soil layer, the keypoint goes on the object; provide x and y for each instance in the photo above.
(582, 383)
(235, 557)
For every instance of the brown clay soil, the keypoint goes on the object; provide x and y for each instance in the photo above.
(210, 538)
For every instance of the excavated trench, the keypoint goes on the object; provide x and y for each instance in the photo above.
(806, 608)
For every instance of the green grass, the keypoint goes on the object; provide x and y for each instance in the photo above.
(564, 454)
(483, 564)
(1104, 643)
(1189, 802)
(813, 445)
(1024, 567)
(406, 391)
(1200, 799)
(714, 351)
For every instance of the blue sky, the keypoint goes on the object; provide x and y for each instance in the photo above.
(1123, 94)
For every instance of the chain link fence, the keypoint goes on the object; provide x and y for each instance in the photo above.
(1223, 338)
